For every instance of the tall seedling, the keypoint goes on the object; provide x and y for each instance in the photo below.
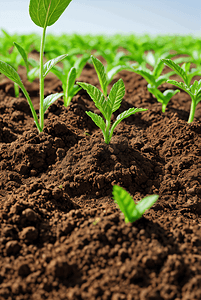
(43, 13)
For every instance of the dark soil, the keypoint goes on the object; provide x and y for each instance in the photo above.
(61, 235)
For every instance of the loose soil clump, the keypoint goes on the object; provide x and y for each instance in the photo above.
(62, 236)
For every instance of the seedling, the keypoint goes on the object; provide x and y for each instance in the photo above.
(72, 69)
(193, 90)
(154, 77)
(132, 211)
(107, 104)
(43, 13)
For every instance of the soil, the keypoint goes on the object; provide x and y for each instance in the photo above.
(61, 235)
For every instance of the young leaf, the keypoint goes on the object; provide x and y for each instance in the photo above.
(146, 74)
(51, 63)
(46, 12)
(116, 70)
(98, 98)
(23, 54)
(51, 99)
(146, 203)
(100, 70)
(171, 64)
(116, 94)
(180, 85)
(97, 120)
(10, 72)
(124, 115)
(132, 211)
(124, 201)
(71, 80)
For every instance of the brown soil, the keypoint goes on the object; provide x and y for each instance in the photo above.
(61, 235)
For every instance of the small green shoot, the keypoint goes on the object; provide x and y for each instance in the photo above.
(68, 75)
(43, 13)
(107, 104)
(132, 211)
(193, 90)
(154, 77)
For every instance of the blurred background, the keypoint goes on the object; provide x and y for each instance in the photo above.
(109, 17)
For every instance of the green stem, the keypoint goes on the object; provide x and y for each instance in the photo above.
(41, 77)
(192, 111)
(32, 108)
(163, 107)
(16, 89)
(107, 138)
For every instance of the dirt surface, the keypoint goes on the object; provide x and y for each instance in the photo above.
(61, 235)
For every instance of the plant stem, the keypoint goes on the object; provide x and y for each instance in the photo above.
(41, 77)
(107, 138)
(192, 111)
(16, 89)
(32, 108)
(163, 107)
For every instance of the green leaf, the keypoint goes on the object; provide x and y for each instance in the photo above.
(23, 54)
(10, 72)
(146, 203)
(33, 73)
(97, 120)
(124, 115)
(179, 71)
(51, 63)
(116, 70)
(99, 99)
(80, 63)
(125, 202)
(51, 99)
(70, 80)
(180, 85)
(100, 70)
(116, 94)
(46, 12)
(146, 74)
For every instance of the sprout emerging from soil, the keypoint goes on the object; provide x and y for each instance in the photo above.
(132, 211)
(107, 104)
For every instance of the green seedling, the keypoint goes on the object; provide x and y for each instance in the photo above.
(162, 97)
(154, 77)
(194, 90)
(72, 68)
(43, 13)
(106, 76)
(132, 211)
(107, 104)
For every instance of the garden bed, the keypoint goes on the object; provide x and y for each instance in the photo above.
(61, 235)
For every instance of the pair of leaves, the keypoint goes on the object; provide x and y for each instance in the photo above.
(164, 97)
(132, 211)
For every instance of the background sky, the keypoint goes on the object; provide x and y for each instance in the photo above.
(109, 17)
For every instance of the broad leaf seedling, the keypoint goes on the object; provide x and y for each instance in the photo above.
(132, 211)
(43, 13)
(193, 90)
(107, 104)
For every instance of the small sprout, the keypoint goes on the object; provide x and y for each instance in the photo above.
(107, 104)
(132, 211)
(193, 90)
(87, 134)
(60, 186)
(96, 221)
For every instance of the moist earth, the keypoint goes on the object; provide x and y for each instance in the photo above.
(61, 234)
